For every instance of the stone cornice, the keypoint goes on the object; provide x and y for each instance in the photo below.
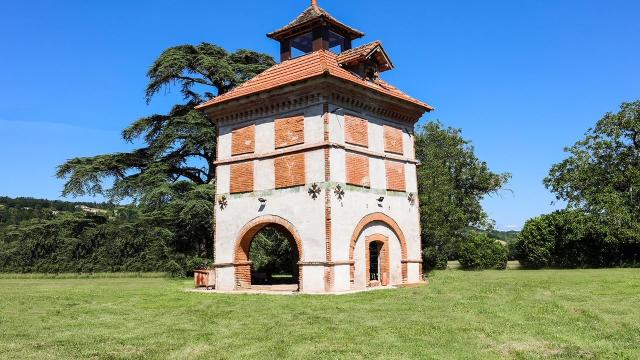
(313, 92)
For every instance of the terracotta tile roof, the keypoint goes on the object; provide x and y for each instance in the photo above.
(357, 53)
(303, 68)
(312, 13)
(362, 52)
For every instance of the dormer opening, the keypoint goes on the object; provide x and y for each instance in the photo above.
(371, 72)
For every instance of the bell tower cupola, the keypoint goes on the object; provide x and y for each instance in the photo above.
(315, 29)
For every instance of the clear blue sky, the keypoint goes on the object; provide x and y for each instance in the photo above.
(522, 79)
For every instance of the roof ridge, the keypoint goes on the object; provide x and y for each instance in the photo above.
(361, 47)
(325, 67)
(311, 13)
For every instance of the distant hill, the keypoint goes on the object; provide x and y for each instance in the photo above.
(507, 236)
(15, 210)
(33, 203)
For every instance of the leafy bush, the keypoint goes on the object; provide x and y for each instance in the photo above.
(574, 238)
(478, 251)
(536, 241)
(434, 258)
(174, 269)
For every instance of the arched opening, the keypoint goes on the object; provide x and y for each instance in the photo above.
(274, 257)
(366, 221)
(374, 260)
(377, 260)
(267, 253)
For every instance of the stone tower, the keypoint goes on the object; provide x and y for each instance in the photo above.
(322, 148)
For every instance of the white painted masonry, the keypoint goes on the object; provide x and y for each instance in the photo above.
(307, 215)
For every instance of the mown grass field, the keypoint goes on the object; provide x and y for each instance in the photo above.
(461, 315)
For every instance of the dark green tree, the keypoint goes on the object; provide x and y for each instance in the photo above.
(599, 180)
(451, 182)
(601, 175)
(478, 251)
(172, 175)
(271, 253)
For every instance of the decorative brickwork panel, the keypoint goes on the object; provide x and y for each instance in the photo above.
(393, 140)
(356, 130)
(243, 140)
(289, 131)
(395, 175)
(242, 177)
(290, 170)
(357, 168)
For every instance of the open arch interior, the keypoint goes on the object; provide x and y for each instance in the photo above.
(274, 257)
(267, 254)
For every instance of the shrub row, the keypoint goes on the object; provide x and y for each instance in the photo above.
(76, 243)
(478, 252)
(574, 238)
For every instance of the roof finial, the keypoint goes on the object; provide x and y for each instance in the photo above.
(314, 3)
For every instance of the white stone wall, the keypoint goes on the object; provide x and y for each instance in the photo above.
(357, 204)
(265, 144)
(308, 215)
(395, 256)
(376, 138)
(295, 206)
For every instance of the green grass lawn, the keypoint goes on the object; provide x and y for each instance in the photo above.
(467, 315)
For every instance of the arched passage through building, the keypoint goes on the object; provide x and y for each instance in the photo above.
(267, 253)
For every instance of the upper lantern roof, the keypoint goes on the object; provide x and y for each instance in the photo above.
(311, 18)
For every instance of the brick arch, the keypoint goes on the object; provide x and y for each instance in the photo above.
(393, 225)
(245, 238)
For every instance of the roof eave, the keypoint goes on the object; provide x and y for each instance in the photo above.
(325, 74)
(257, 93)
(300, 28)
